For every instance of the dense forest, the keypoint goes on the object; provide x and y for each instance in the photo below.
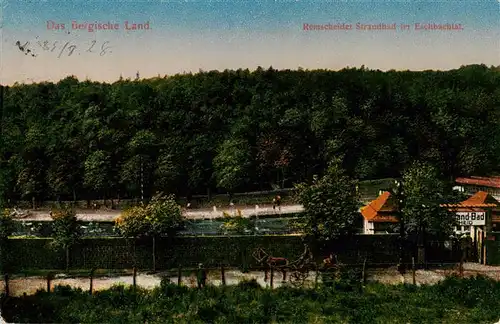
(239, 130)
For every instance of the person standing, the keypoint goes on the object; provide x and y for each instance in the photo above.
(202, 276)
(278, 202)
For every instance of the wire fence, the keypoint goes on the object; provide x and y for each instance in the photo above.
(305, 276)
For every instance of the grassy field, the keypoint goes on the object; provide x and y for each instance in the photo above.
(473, 300)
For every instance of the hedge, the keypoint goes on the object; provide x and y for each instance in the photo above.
(212, 251)
(493, 248)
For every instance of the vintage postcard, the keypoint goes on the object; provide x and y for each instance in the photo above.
(237, 161)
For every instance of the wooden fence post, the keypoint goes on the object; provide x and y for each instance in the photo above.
(6, 279)
(49, 279)
(154, 254)
(316, 278)
(134, 278)
(363, 278)
(272, 277)
(179, 276)
(91, 281)
(223, 275)
(461, 268)
(413, 271)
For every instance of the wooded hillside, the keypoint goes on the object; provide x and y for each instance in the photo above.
(242, 130)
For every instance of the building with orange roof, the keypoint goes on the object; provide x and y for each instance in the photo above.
(380, 215)
(472, 211)
(473, 184)
(476, 216)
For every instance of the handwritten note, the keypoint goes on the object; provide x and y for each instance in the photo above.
(64, 48)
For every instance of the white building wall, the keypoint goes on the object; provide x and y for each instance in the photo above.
(369, 227)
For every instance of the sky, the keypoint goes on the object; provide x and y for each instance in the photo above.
(188, 36)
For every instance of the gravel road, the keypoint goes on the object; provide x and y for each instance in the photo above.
(110, 215)
(30, 285)
(430, 277)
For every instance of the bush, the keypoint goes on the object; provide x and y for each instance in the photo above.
(168, 289)
(66, 290)
(249, 284)
(161, 216)
(342, 278)
(7, 227)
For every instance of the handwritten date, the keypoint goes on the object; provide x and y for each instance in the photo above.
(65, 48)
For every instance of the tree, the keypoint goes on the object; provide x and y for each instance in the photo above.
(137, 169)
(291, 123)
(7, 227)
(231, 164)
(274, 152)
(331, 204)
(168, 171)
(66, 230)
(237, 224)
(131, 223)
(97, 169)
(423, 194)
(162, 216)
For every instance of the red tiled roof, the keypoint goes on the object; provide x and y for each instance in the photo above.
(492, 182)
(380, 209)
(480, 199)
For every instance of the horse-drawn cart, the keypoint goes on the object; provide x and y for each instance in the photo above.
(299, 269)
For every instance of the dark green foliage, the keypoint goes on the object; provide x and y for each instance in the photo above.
(66, 229)
(474, 300)
(117, 253)
(232, 163)
(236, 130)
(7, 227)
(493, 249)
(343, 278)
(331, 205)
(249, 285)
(37, 254)
(424, 192)
(162, 216)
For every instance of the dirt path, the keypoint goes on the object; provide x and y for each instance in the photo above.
(30, 285)
(430, 277)
(110, 215)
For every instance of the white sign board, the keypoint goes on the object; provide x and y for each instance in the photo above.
(471, 218)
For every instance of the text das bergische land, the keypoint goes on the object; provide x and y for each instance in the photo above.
(94, 26)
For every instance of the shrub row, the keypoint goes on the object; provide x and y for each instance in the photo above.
(234, 251)
(212, 251)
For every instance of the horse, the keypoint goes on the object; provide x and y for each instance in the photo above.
(272, 262)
